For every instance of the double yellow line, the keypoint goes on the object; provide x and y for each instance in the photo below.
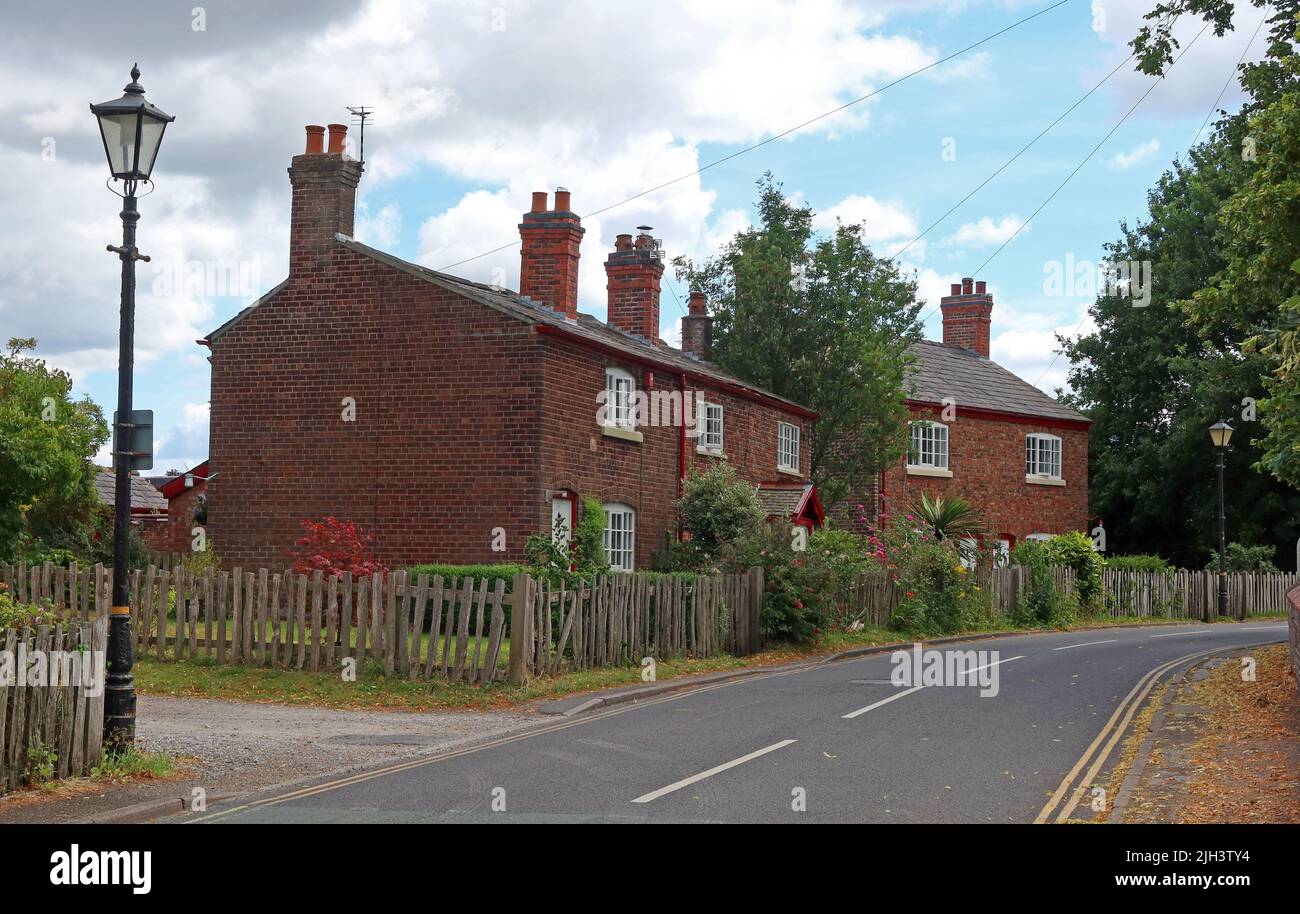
(1110, 735)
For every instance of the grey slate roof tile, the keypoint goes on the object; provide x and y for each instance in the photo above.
(974, 381)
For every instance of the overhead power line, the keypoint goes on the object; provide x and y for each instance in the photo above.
(786, 132)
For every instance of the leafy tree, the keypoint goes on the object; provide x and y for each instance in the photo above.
(821, 320)
(1254, 298)
(47, 440)
(1244, 558)
(1153, 379)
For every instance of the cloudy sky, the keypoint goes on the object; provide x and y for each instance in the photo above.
(480, 102)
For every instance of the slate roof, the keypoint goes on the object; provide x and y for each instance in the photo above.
(974, 381)
(525, 309)
(144, 497)
(782, 500)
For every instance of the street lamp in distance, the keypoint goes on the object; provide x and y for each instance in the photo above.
(1221, 436)
(132, 130)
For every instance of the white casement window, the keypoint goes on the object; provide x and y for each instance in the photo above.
(711, 427)
(929, 446)
(1043, 456)
(787, 447)
(620, 395)
(1039, 537)
(620, 537)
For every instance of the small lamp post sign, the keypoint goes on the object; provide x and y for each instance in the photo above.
(1221, 435)
(132, 131)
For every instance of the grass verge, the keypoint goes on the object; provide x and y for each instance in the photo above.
(202, 678)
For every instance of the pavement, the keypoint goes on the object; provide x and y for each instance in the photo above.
(826, 742)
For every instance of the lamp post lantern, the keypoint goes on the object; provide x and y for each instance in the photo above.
(1221, 436)
(132, 130)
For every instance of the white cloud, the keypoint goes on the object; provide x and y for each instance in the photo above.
(1139, 153)
(986, 231)
(881, 220)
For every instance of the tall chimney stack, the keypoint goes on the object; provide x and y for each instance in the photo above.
(633, 271)
(548, 257)
(697, 328)
(968, 316)
(324, 198)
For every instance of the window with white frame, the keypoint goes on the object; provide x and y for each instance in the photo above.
(620, 395)
(929, 446)
(1043, 456)
(620, 537)
(787, 447)
(711, 427)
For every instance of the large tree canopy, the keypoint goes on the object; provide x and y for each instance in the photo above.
(823, 321)
(46, 441)
(1222, 236)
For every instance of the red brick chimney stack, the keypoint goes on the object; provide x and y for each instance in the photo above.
(697, 327)
(324, 198)
(633, 271)
(968, 316)
(548, 257)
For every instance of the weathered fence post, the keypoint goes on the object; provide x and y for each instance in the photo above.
(521, 611)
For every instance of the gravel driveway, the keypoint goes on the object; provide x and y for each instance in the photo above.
(236, 747)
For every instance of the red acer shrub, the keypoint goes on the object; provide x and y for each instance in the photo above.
(334, 547)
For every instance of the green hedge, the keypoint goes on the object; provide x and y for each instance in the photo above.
(1138, 563)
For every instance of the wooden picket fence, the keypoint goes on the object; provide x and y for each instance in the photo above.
(59, 722)
(623, 618)
(463, 629)
(1177, 594)
(872, 598)
(1184, 594)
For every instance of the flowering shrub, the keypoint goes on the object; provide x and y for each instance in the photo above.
(334, 547)
(936, 593)
(21, 615)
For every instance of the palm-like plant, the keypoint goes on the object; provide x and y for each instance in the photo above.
(952, 518)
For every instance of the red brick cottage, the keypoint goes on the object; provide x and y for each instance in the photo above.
(452, 419)
(983, 433)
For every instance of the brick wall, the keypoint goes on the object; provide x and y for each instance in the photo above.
(577, 456)
(987, 459)
(444, 445)
(464, 418)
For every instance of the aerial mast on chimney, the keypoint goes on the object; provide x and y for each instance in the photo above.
(362, 115)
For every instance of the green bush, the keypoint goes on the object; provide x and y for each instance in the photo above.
(22, 615)
(561, 558)
(1138, 563)
(1042, 604)
(718, 508)
(1245, 558)
(937, 594)
(1074, 550)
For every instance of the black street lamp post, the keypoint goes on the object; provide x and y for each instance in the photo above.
(1221, 435)
(132, 130)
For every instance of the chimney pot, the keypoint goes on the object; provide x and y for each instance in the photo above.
(981, 287)
(315, 140)
(699, 303)
(633, 272)
(968, 320)
(623, 243)
(563, 203)
(539, 201)
(338, 136)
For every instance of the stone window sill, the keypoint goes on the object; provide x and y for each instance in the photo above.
(1044, 481)
(623, 434)
(929, 471)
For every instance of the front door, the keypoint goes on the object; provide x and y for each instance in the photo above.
(562, 510)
